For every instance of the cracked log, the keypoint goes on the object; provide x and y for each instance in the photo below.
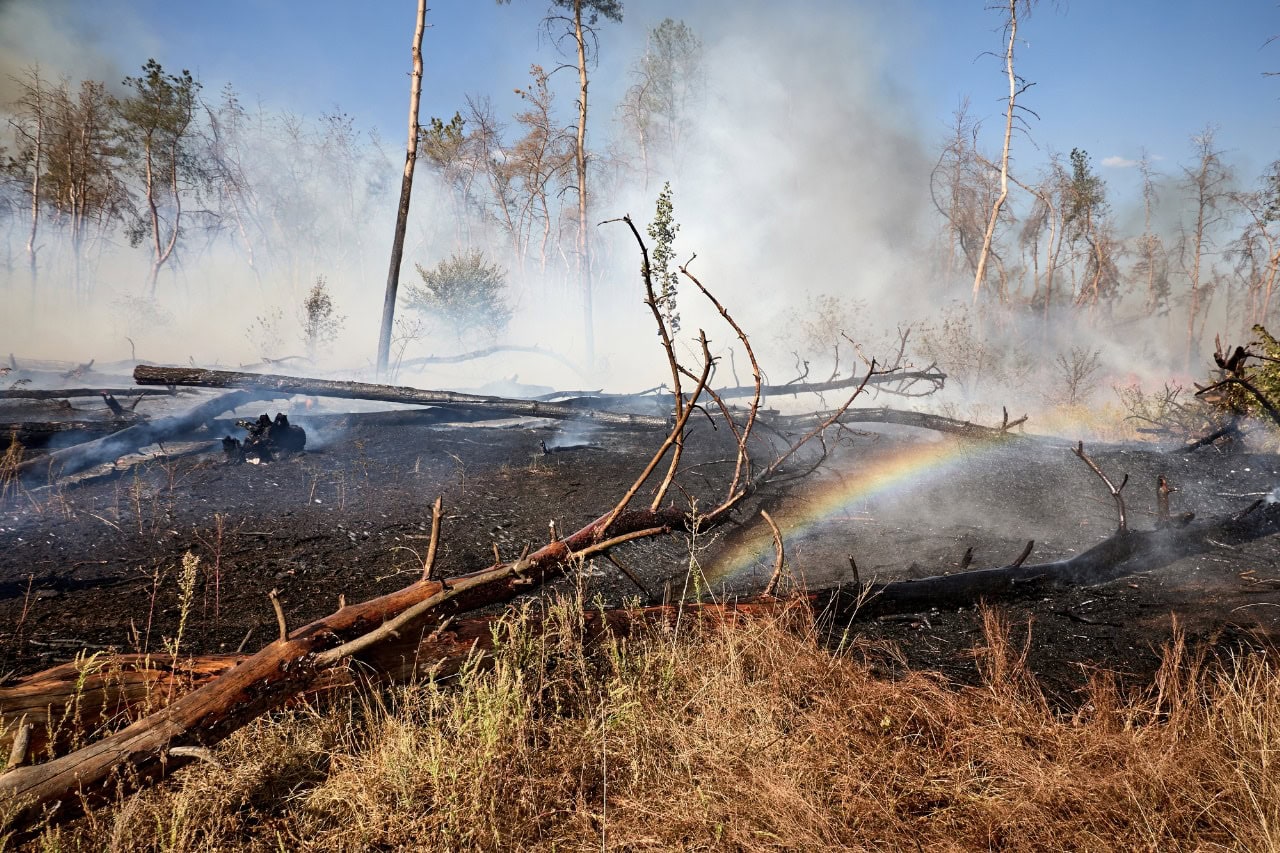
(148, 375)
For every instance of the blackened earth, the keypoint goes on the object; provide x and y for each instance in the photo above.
(96, 565)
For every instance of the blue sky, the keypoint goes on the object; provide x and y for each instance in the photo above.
(1111, 77)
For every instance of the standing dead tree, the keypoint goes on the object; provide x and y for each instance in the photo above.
(406, 192)
(1016, 87)
(1206, 182)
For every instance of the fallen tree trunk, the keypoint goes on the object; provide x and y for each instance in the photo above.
(936, 377)
(68, 703)
(72, 460)
(1125, 552)
(922, 420)
(29, 432)
(66, 393)
(386, 418)
(148, 375)
(298, 660)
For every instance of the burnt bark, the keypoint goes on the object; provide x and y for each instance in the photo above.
(406, 193)
(310, 658)
(1124, 553)
(72, 460)
(922, 420)
(67, 393)
(148, 375)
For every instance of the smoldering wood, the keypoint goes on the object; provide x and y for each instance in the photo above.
(71, 393)
(38, 432)
(149, 375)
(1126, 552)
(921, 420)
(72, 460)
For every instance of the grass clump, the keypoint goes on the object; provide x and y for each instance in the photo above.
(754, 737)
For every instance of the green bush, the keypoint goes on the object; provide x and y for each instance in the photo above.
(464, 293)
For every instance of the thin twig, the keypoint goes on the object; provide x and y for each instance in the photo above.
(651, 299)
(630, 575)
(672, 438)
(743, 466)
(772, 587)
(274, 595)
(436, 511)
(1115, 492)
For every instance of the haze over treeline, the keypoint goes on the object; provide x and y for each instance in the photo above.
(157, 214)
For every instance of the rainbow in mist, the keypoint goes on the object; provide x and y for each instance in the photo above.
(899, 469)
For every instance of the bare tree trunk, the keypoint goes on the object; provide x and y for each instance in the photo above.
(406, 189)
(981, 271)
(286, 385)
(37, 168)
(1264, 310)
(1193, 307)
(580, 160)
(164, 250)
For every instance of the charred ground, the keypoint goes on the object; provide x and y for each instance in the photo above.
(94, 565)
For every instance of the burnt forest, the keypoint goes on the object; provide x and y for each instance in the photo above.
(710, 427)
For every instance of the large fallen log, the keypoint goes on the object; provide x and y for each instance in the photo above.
(69, 703)
(922, 420)
(72, 460)
(33, 432)
(149, 375)
(299, 660)
(935, 377)
(68, 393)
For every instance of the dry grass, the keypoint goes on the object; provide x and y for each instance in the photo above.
(756, 738)
(9, 461)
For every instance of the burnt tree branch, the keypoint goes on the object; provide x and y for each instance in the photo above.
(289, 385)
